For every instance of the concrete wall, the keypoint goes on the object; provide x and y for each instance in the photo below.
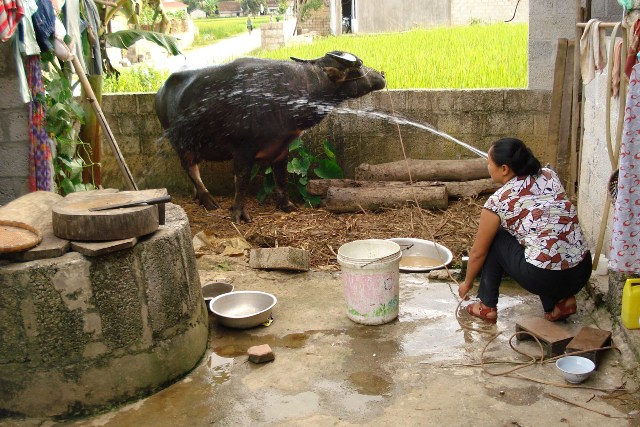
(14, 131)
(376, 16)
(476, 117)
(464, 12)
(550, 20)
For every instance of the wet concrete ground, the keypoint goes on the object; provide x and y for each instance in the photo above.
(415, 371)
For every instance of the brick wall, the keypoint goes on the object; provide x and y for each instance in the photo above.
(14, 131)
(476, 117)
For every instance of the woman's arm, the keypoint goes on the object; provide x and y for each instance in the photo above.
(487, 229)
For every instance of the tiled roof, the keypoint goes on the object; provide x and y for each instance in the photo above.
(229, 6)
(173, 5)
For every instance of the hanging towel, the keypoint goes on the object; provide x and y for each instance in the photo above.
(40, 160)
(615, 68)
(593, 52)
(72, 24)
(11, 12)
(634, 45)
(625, 238)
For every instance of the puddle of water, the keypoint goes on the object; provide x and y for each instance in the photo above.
(368, 383)
(234, 343)
(220, 368)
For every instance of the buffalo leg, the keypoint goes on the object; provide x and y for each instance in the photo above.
(242, 177)
(279, 169)
(202, 194)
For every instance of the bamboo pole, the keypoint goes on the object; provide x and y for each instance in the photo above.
(105, 126)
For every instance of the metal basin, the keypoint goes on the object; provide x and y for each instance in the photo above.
(243, 309)
(427, 254)
(210, 290)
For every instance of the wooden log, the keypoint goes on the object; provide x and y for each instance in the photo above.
(374, 198)
(455, 190)
(424, 170)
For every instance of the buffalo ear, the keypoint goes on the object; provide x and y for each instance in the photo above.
(334, 74)
(299, 60)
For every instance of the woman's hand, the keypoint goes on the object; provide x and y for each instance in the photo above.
(463, 290)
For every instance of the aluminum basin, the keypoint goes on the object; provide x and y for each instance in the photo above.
(243, 309)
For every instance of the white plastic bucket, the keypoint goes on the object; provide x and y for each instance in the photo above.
(371, 279)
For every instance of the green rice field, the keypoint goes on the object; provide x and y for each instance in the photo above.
(215, 29)
(476, 56)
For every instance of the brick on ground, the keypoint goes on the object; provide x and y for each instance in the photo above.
(285, 258)
(260, 353)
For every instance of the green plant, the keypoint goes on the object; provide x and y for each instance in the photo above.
(298, 166)
(64, 117)
(140, 78)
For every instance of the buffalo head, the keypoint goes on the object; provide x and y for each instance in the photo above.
(347, 72)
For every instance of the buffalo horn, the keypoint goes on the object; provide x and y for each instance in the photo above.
(344, 57)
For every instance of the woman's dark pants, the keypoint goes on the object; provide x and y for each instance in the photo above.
(506, 255)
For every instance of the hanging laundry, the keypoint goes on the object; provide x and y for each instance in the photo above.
(11, 12)
(593, 52)
(71, 11)
(615, 68)
(44, 24)
(624, 256)
(40, 145)
(94, 67)
(634, 46)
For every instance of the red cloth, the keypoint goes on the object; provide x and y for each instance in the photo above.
(634, 45)
(11, 12)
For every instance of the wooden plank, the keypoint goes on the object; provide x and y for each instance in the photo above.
(555, 111)
(34, 209)
(564, 135)
(102, 248)
(590, 338)
(553, 338)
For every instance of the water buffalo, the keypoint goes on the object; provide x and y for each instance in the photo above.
(251, 110)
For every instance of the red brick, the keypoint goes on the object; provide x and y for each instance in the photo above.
(260, 353)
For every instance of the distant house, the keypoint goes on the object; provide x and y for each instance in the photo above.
(198, 14)
(174, 6)
(272, 7)
(229, 8)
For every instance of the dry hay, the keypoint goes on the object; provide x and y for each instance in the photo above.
(322, 232)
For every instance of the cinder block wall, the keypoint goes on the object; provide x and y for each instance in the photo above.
(14, 131)
(475, 117)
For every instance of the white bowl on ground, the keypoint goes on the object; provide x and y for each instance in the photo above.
(575, 369)
(422, 255)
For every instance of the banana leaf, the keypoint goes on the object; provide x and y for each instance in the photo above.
(126, 38)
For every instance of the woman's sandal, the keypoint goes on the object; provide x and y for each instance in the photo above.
(563, 309)
(482, 312)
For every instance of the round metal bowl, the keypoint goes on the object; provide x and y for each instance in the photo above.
(210, 290)
(243, 309)
(423, 250)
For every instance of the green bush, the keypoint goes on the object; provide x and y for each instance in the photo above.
(140, 78)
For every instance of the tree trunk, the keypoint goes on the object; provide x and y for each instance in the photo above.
(374, 198)
(455, 190)
(424, 170)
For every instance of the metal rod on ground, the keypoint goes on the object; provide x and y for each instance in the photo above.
(105, 126)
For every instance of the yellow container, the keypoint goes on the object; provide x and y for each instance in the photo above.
(631, 304)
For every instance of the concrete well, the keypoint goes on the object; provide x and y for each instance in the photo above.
(80, 334)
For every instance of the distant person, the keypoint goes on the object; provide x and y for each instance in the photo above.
(249, 25)
(529, 230)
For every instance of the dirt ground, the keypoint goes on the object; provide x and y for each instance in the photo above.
(322, 232)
